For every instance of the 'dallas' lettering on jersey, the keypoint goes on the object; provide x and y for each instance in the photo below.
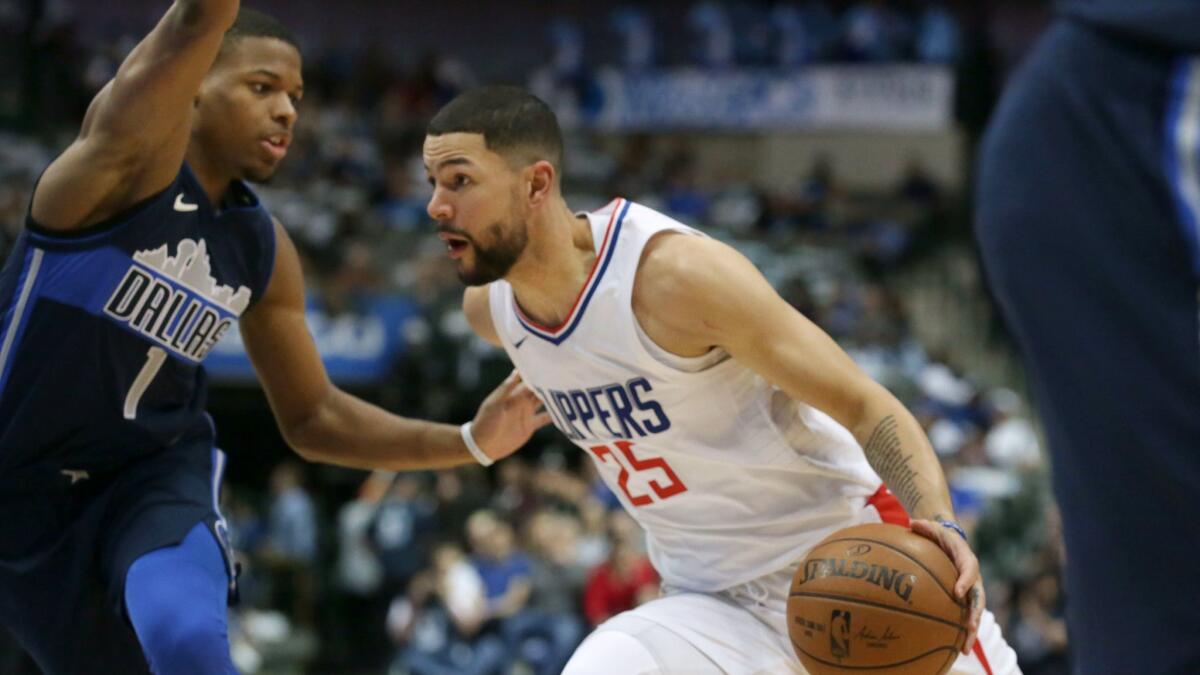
(175, 301)
(900, 583)
(617, 410)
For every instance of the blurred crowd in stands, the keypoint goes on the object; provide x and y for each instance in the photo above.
(505, 570)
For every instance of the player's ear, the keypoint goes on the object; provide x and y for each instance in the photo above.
(541, 175)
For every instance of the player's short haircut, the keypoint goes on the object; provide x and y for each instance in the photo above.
(252, 23)
(513, 122)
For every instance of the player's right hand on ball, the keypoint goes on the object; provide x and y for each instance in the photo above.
(969, 586)
(508, 417)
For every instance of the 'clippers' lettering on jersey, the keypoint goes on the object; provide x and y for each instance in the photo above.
(175, 302)
(618, 410)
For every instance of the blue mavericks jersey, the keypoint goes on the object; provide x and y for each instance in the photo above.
(1173, 25)
(103, 331)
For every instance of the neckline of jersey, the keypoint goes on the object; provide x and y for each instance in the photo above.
(557, 334)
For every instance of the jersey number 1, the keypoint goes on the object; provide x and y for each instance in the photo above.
(154, 361)
(663, 490)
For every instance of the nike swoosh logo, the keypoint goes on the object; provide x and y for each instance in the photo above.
(183, 206)
(518, 343)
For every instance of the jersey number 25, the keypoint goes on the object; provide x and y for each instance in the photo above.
(628, 462)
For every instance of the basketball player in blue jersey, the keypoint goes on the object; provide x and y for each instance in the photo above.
(1088, 220)
(728, 425)
(143, 247)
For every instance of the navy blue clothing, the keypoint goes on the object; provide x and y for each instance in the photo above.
(1172, 25)
(497, 576)
(1088, 199)
(106, 452)
(65, 551)
(82, 311)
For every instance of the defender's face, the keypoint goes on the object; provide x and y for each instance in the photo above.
(476, 205)
(246, 108)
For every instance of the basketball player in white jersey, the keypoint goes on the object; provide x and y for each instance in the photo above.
(734, 430)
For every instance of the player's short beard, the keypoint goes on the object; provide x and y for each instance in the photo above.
(493, 262)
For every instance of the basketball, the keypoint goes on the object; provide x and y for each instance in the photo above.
(873, 597)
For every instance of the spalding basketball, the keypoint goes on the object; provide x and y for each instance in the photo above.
(876, 597)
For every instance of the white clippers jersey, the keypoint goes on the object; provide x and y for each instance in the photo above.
(730, 478)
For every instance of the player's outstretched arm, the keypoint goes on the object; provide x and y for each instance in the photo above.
(693, 294)
(136, 130)
(324, 424)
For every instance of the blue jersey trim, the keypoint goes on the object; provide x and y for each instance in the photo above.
(84, 279)
(608, 255)
(1181, 149)
(17, 316)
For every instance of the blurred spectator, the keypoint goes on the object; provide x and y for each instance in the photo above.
(803, 34)
(635, 35)
(398, 205)
(505, 570)
(514, 497)
(457, 499)
(248, 533)
(567, 83)
(1012, 441)
(403, 522)
(682, 195)
(546, 632)
(938, 38)
(436, 624)
(292, 542)
(541, 639)
(293, 526)
(917, 187)
(593, 545)
(360, 575)
(817, 196)
(634, 173)
(793, 43)
(1039, 630)
(714, 46)
(622, 582)
(873, 31)
(557, 573)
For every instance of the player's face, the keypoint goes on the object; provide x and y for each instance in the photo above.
(476, 205)
(246, 108)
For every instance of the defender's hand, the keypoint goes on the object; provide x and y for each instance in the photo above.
(969, 585)
(508, 417)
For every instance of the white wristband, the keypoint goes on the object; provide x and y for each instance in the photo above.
(473, 447)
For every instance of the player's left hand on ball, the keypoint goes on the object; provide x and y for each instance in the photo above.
(969, 586)
(508, 417)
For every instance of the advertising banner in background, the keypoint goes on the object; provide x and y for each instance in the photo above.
(875, 98)
(358, 347)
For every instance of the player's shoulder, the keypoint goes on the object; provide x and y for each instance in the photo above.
(478, 310)
(674, 262)
(476, 299)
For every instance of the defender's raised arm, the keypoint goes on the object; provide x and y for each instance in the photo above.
(136, 130)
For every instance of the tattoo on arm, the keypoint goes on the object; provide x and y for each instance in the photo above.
(886, 456)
